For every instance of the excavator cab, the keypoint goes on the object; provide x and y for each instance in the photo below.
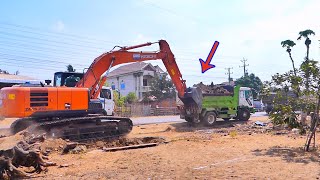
(69, 79)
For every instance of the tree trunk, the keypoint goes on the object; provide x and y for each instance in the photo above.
(307, 73)
(314, 125)
(294, 69)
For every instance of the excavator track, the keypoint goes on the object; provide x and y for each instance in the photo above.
(81, 128)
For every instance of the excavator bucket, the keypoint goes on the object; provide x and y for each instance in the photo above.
(193, 100)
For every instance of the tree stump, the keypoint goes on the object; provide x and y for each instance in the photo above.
(21, 151)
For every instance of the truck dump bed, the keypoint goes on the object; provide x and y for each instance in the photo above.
(215, 90)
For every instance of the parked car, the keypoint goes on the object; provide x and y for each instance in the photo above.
(258, 105)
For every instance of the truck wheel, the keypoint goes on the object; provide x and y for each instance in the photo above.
(188, 119)
(210, 118)
(243, 114)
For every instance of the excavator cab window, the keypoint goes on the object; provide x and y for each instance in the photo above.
(69, 79)
(57, 80)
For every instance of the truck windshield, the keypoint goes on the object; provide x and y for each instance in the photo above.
(247, 94)
(105, 93)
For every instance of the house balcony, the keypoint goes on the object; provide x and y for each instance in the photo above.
(145, 88)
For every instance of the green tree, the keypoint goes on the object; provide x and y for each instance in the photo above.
(119, 101)
(289, 44)
(161, 87)
(70, 68)
(131, 97)
(252, 82)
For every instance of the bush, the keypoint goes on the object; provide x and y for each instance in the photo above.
(131, 98)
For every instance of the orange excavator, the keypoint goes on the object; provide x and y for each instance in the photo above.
(71, 109)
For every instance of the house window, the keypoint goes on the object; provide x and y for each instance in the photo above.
(113, 86)
(122, 85)
(145, 82)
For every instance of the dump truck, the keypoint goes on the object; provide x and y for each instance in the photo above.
(224, 102)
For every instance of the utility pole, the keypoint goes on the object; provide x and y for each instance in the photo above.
(244, 66)
(228, 73)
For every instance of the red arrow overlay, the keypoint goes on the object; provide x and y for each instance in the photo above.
(205, 65)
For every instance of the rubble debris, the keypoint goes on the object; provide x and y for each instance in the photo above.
(259, 123)
(78, 149)
(63, 165)
(74, 148)
(213, 89)
(68, 147)
(296, 131)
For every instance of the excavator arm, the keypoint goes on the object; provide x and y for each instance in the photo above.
(92, 78)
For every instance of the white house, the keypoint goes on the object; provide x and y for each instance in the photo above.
(134, 77)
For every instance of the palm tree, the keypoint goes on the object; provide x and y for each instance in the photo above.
(70, 68)
(307, 42)
(289, 44)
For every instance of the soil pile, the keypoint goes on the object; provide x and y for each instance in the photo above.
(212, 89)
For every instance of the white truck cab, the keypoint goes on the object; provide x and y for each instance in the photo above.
(106, 98)
(245, 97)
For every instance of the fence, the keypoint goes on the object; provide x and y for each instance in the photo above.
(144, 110)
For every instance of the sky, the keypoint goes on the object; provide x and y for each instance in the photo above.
(38, 38)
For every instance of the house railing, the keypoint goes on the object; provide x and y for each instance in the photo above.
(145, 88)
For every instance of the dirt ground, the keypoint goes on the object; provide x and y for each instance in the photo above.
(233, 150)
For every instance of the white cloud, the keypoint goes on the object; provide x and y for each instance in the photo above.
(59, 26)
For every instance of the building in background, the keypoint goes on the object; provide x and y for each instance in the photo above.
(8, 80)
(134, 77)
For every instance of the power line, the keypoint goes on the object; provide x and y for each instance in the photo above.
(28, 46)
(37, 60)
(36, 38)
(55, 33)
(75, 38)
(45, 40)
(244, 66)
(39, 55)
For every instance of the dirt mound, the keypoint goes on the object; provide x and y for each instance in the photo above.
(53, 145)
(212, 89)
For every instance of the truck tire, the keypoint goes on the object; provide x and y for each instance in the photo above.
(188, 119)
(243, 115)
(210, 118)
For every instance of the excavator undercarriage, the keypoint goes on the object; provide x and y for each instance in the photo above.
(91, 127)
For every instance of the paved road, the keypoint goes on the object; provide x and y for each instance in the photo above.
(168, 119)
(156, 119)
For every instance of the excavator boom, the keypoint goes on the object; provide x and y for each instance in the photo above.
(107, 60)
